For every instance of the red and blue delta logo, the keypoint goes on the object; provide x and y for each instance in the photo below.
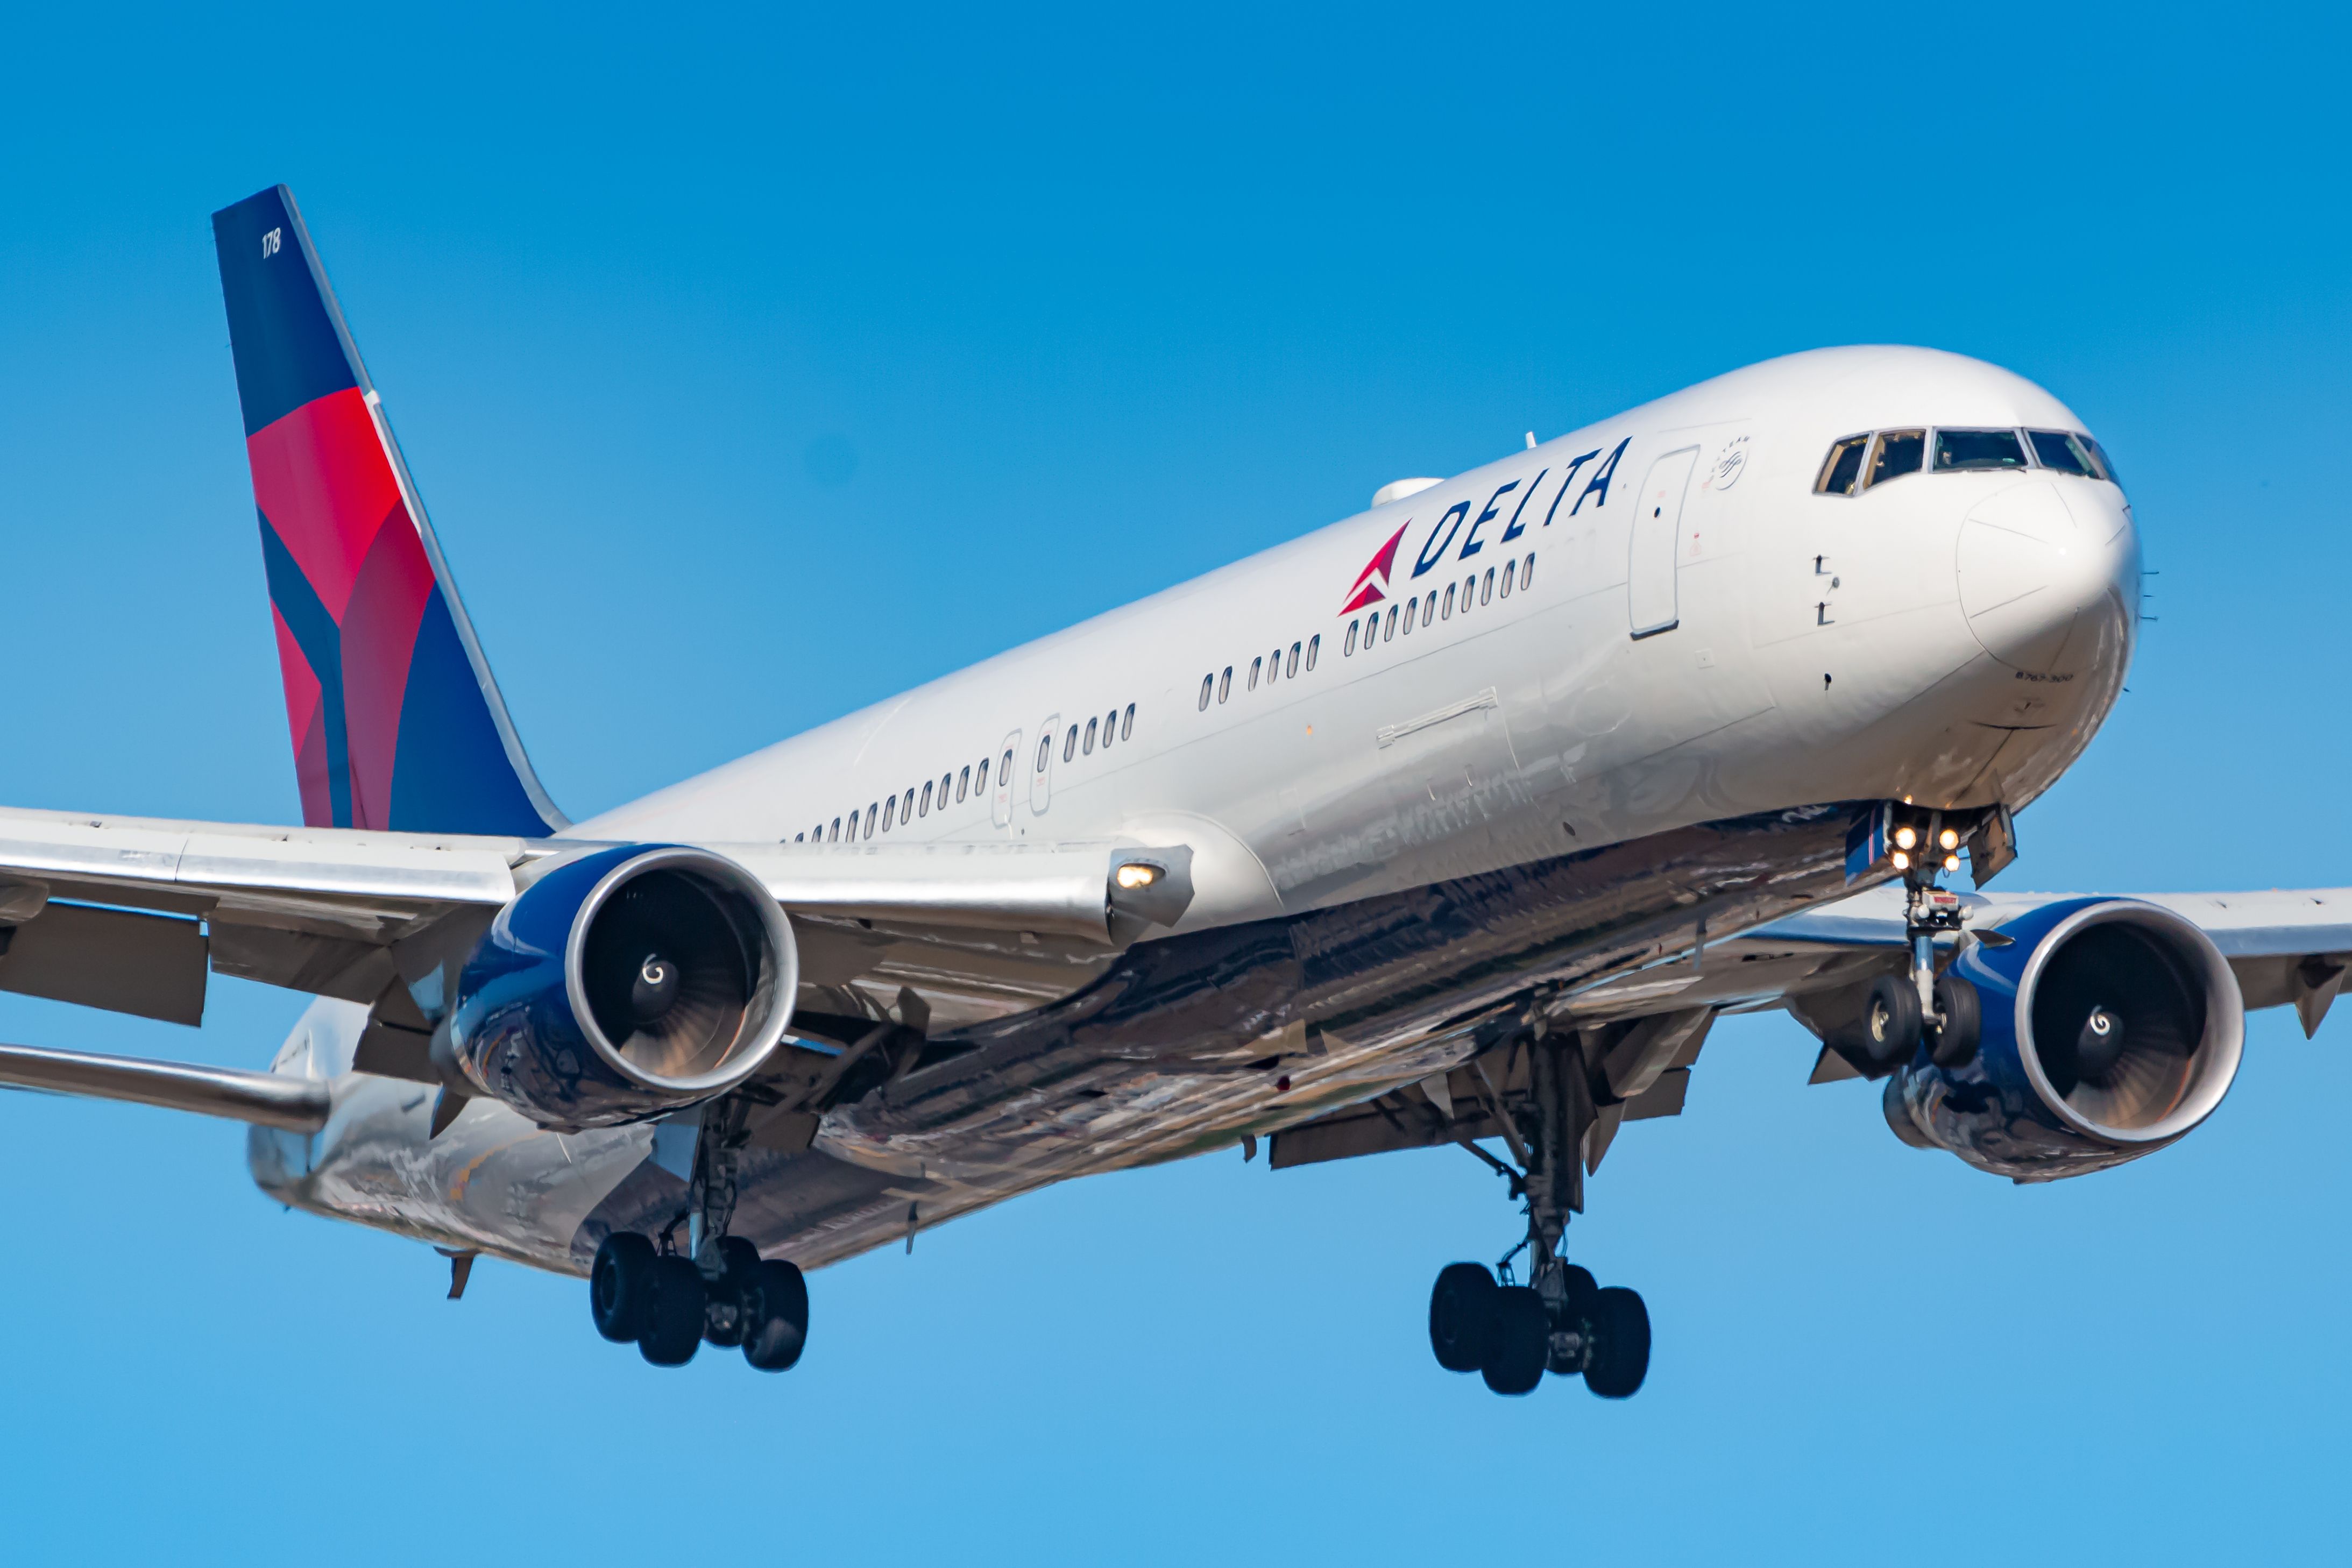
(1373, 583)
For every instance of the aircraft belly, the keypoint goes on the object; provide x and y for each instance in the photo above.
(1186, 1044)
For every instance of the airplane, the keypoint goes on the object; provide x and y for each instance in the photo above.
(1454, 823)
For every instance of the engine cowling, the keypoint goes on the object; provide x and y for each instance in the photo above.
(2110, 1028)
(626, 985)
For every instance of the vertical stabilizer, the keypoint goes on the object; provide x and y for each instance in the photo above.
(396, 721)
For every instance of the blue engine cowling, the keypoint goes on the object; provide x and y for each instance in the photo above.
(625, 985)
(2110, 1027)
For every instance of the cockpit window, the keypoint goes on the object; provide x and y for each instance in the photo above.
(2099, 456)
(1960, 450)
(1843, 467)
(1900, 452)
(2057, 450)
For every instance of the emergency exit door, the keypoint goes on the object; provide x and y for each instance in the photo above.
(1650, 601)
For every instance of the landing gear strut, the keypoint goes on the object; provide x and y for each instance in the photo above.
(1561, 1320)
(1920, 1006)
(721, 1293)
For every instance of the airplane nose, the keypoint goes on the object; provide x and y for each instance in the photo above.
(2039, 567)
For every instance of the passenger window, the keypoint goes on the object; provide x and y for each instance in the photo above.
(1256, 665)
(1206, 682)
(1412, 609)
(1314, 644)
(964, 782)
(1528, 569)
(1127, 725)
(907, 806)
(1900, 452)
(1044, 751)
(1962, 451)
(1225, 683)
(836, 831)
(1487, 587)
(1510, 568)
(887, 807)
(1348, 647)
(923, 808)
(1003, 769)
(1429, 608)
(1447, 614)
(1391, 630)
(2055, 449)
(1841, 467)
(1110, 728)
(943, 790)
(1469, 592)
(1274, 666)
(1091, 738)
(800, 838)
(870, 809)
(1070, 745)
(1292, 667)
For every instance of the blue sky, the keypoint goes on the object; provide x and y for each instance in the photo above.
(756, 367)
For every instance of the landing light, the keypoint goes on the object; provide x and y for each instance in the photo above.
(1906, 837)
(1951, 863)
(1902, 860)
(1951, 839)
(1134, 875)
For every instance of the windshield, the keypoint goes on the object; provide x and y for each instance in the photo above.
(1959, 450)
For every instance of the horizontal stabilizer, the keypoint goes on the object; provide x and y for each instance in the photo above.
(266, 1099)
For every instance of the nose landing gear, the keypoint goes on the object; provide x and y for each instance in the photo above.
(1561, 1321)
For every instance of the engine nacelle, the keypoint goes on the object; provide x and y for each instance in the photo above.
(2110, 1027)
(625, 985)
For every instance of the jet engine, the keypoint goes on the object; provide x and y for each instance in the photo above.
(2110, 1028)
(625, 985)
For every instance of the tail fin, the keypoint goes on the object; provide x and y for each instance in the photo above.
(396, 721)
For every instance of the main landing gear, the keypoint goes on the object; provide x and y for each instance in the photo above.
(721, 1293)
(1560, 1320)
(668, 1306)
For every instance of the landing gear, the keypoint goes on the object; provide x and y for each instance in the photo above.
(720, 1291)
(1560, 1320)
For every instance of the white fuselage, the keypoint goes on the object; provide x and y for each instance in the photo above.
(1692, 632)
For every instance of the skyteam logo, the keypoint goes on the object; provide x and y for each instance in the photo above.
(1366, 591)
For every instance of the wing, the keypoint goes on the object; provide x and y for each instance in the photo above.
(132, 914)
(1643, 1031)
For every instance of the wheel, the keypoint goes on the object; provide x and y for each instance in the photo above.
(776, 1319)
(1619, 1357)
(725, 1315)
(1955, 1045)
(621, 1286)
(1461, 1312)
(673, 1326)
(1891, 1020)
(1575, 1310)
(1519, 1342)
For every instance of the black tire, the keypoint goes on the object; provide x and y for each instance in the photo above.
(1620, 1357)
(727, 1315)
(674, 1328)
(1519, 1342)
(1461, 1315)
(621, 1286)
(1576, 1311)
(1955, 1045)
(1891, 1022)
(777, 1326)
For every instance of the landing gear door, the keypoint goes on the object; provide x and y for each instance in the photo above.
(1001, 811)
(1650, 597)
(1041, 767)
